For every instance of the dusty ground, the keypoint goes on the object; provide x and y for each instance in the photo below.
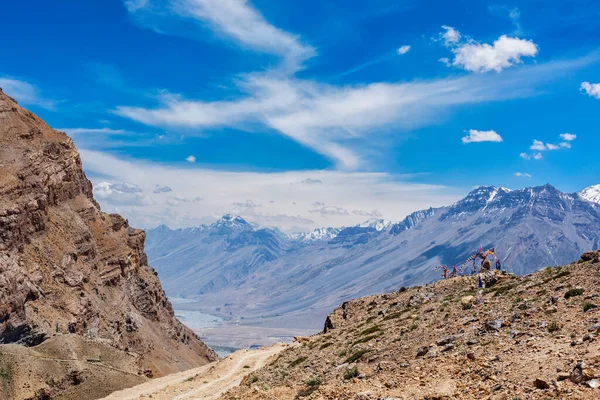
(66, 367)
(207, 382)
(522, 338)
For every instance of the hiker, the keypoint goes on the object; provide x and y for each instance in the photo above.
(454, 271)
(498, 266)
(445, 272)
(480, 282)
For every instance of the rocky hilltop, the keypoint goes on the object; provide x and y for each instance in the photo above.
(68, 270)
(530, 337)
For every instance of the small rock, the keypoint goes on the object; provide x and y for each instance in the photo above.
(540, 384)
(471, 356)
(471, 342)
(421, 351)
(594, 327)
(588, 337)
(493, 325)
(563, 376)
(593, 383)
(366, 395)
(467, 301)
(448, 347)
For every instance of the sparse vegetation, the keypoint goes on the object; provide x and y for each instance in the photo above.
(325, 345)
(370, 330)
(351, 373)
(574, 292)
(553, 326)
(588, 306)
(297, 362)
(313, 382)
(365, 339)
(356, 356)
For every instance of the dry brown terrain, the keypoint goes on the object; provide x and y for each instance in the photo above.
(207, 382)
(531, 337)
(65, 266)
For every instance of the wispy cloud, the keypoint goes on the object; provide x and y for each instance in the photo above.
(565, 144)
(403, 50)
(26, 93)
(522, 175)
(338, 122)
(236, 20)
(393, 196)
(93, 131)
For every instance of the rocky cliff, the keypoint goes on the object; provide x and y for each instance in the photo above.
(65, 266)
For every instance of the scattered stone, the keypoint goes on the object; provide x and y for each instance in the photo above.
(467, 301)
(366, 395)
(593, 383)
(540, 384)
(493, 325)
(472, 342)
(421, 351)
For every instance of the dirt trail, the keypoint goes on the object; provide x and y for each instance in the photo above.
(207, 382)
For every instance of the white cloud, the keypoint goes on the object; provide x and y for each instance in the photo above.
(120, 194)
(538, 156)
(525, 156)
(483, 57)
(393, 196)
(84, 131)
(476, 136)
(569, 137)
(338, 122)
(522, 175)
(330, 210)
(538, 145)
(403, 50)
(541, 146)
(235, 19)
(451, 36)
(191, 159)
(591, 89)
(26, 93)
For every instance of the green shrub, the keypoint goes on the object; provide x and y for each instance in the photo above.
(356, 356)
(588, 306)
(574, 292)
(313, 382)
(325, 345)
(297, 361)
(351, 373)
(553, 327)
(370, 330)
(365, 339)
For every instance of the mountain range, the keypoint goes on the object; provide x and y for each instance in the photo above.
(260, 276)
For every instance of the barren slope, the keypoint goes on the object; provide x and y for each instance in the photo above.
(528, 337)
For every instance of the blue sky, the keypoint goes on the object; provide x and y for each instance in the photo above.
(307, 113)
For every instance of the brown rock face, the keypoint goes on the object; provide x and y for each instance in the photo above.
(67, 266)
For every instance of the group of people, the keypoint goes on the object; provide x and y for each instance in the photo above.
(486, 264)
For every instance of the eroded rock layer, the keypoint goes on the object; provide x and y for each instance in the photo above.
(68, 268)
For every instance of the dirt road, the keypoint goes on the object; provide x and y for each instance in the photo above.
(206, 383)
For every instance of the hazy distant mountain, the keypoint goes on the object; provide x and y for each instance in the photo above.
(262, 273)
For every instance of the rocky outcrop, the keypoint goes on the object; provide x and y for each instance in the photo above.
(67, 267)
(533, 337)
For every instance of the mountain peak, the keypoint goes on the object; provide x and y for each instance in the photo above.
(591, 193)
(232, 221)
(376, 223)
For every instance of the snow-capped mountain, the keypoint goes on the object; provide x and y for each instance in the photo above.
(261, 273)
(319, 234)
(591, 193)
(377, 224)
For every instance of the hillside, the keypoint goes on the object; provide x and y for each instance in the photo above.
(272, 280)
(74, 282)
(532, 337)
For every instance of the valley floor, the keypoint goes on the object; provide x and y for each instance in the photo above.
(206, 382)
